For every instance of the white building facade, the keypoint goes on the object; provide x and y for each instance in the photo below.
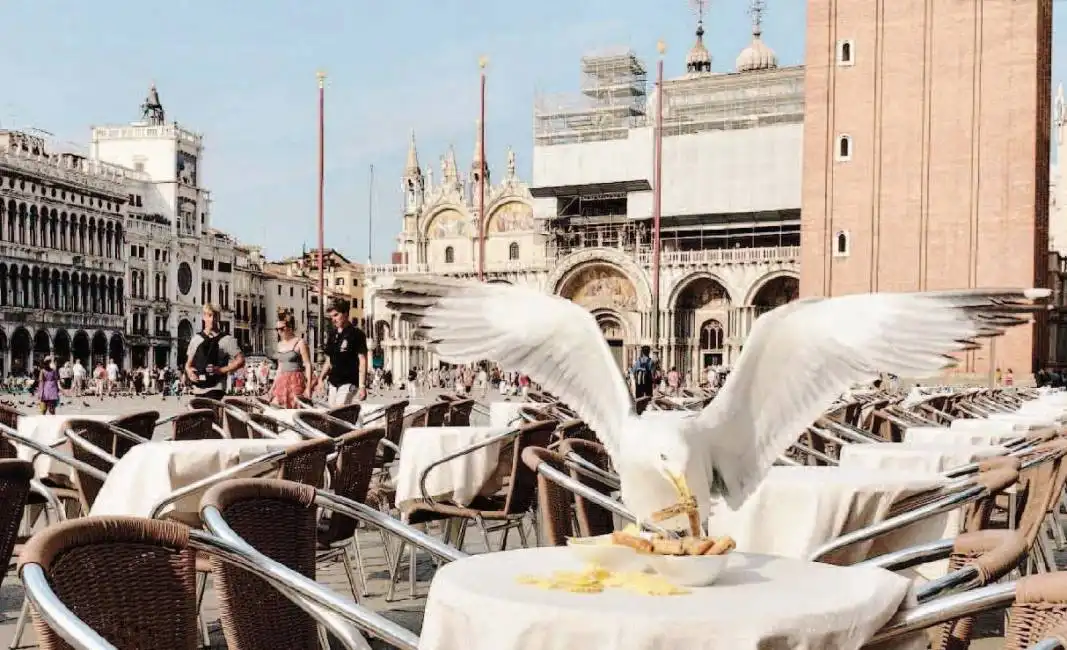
(731, 161)
(180, 262)
(62, 262)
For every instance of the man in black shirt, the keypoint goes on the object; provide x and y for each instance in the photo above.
(345, 370)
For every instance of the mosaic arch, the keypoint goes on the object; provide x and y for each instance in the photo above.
(774, 290)
(700, 309)
(513, 216)
(448, 223)
(599, 286)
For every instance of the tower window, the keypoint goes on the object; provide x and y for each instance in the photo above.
(844, 147)
(513, 251)
(450, 255)
(846, 52)
(841, 244)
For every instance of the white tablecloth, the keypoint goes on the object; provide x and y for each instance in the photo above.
(758, 602)
(798, 509)
(966, 437)
(926, 458)
(459, 480)
(149, 472)
(501, 414)
(48, 430)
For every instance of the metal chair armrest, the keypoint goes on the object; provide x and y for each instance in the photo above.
(944, 504)
(14, 436)
(948, 608)
(311, 432)
(589, 470)
(1048, 644)
(167, 420)
(57, 615)
(79, 441)
(500, 437)
(325, 606)
(266, 459)
(912, 556)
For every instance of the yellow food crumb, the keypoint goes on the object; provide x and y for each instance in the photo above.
(595, 580)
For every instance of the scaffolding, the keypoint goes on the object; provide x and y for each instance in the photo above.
(613, 100)
(723, 102)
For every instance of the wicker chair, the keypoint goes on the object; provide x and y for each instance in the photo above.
(264, 421)
(592, 519)
(350, 477)
(15, 477)
(394, 430)
(196, 425)
(349, 413)
(554, 502)
(217, 408)
(142, 423)
(504, 512)
(234, 425)
(99, 566)
(459, 413)
(8, 417)
(277, 518)
(305, 462)
(103, 437)
(433, 415)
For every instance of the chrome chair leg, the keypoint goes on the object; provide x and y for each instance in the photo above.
(20, 626)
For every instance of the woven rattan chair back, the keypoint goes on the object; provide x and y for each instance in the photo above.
(1040, 609)
(143, 423)
(9, 417)
(394, 429)
(277, 518)
(217, 408)
(305, 462)
(523, 484)
(15, 476)
(592, 519)
(131, 580)
(195, 425)
(349, 413)
(350, 475)
(459, 413)
(102, 437)
(554, 502)
(268, 423)
(235, 426)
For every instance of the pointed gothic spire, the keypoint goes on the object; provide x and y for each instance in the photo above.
(152, 109)
(698, 61)
(448, 167)
(412, 169)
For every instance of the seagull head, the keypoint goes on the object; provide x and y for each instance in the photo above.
(670, 456)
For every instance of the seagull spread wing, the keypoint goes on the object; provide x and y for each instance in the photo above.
(800, 357)
(554, 341)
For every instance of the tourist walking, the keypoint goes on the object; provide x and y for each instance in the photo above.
(344, 375)
(78, 373)
(294, 378)
(211, 357)
(48, 386)
(643, 373)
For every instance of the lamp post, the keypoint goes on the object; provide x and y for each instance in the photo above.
(657, 195)
(482, 63)
(321, 76)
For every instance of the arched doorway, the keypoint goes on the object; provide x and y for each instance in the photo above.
(99, 349)
(3, 346)
(81, 347)
(775, 293)
(42, 347)
(21, 345)
(116, 350)
(702, 299)
(61, 347)
(712, 336)
(615, 334)
(185, 334)
(382, 332)
(608, 293)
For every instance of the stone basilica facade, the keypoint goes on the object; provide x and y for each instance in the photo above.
(730, 238)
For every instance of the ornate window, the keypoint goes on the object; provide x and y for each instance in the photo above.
(450, 255)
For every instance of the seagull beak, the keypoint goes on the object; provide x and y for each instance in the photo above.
(680, 484)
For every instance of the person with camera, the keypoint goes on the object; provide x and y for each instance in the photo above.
(211, 357)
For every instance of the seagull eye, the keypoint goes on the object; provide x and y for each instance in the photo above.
(663, 457)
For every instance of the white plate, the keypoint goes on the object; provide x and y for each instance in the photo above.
(689, 570)
(602, 552)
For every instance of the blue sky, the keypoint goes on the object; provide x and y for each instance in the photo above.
(246, 80)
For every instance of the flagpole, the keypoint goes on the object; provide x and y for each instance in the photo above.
(321, 76)
(657, 199)
(482, 63)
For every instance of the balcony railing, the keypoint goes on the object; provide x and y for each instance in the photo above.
(643, 258)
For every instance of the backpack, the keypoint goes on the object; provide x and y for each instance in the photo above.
(643, 372)
(208, 354)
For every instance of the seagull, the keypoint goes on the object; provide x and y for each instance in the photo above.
(798, 359)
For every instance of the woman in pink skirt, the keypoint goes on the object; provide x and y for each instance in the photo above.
(294, 364)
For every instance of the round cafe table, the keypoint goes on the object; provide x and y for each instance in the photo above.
(759, 601)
